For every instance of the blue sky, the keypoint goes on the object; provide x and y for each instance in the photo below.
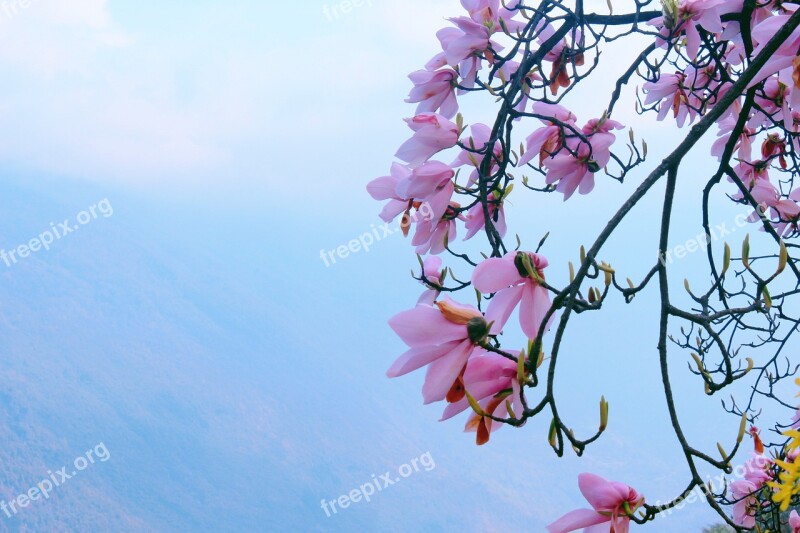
(236, 380)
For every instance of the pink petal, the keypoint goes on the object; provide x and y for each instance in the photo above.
(502, 305)
(416, 358)
(444, 371)
(575, 520)
(425, 326)
(495, 274)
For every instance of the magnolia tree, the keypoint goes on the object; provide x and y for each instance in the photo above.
(729, 68)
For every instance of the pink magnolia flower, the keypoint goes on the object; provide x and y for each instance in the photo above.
(671, 93)
(598, 131)
(489, 13)
(480, 135)
(794, 521)
(431, 183)
(442, 337)
(784, 61)
(434, 91)
(684, 17)
(744, 143)
(574, 169)
(432, 134)
(486, 375)
(509, 69)
(773, 104)
(385, 188)
(575, 172)
(433, 276)
(547, 141)
(476, 221)
(756, 469)
(433, 234)
(611, 503)
(491, 380)
(561, 56)
(744, 510)
(515, 279)
(464, 48)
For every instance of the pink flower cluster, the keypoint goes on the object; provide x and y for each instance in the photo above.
(458, 344)
(687, 94)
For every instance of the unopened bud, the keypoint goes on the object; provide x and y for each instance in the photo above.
(478, 329)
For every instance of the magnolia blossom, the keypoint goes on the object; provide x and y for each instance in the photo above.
(611, 502)
(671, 93)
(773, 103)
(684, 17)
(494, 378)
(463, 47)
(385, 188)
(433, 276)
(431, 183)
(744, 509)
(475, 219)
(561, 55)
(794, 521)
(744, 144)
(788, 213)
(784, 61)
(442, 337)
(433, 234)
(516, 280)
(434, 91)
(432, 134)
(547, 141)
(491, 380)
(478, 140)
(490, 14)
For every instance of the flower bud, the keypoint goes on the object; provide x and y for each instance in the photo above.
(478, 329)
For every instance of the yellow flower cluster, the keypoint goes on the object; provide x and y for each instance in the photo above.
(788, 484)
(789, 479)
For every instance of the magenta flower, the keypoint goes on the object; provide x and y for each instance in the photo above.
(491, 380)
(671, 93)
(784, 61)
(744, 143)
(476, 221)
(688, 16)
(430, 183)
(547, 141)
(433, 277)
(385, 188)
(774, 106)
(442, 337)
(756, 469)
(434, 91)
(480, 135)
(744, 510)
(561, 56)
(433, 234)
(794, 522)
(489, 13)
(463, 48)
(576, 172)
(515, 279)
(612, 504)
(432, 134)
